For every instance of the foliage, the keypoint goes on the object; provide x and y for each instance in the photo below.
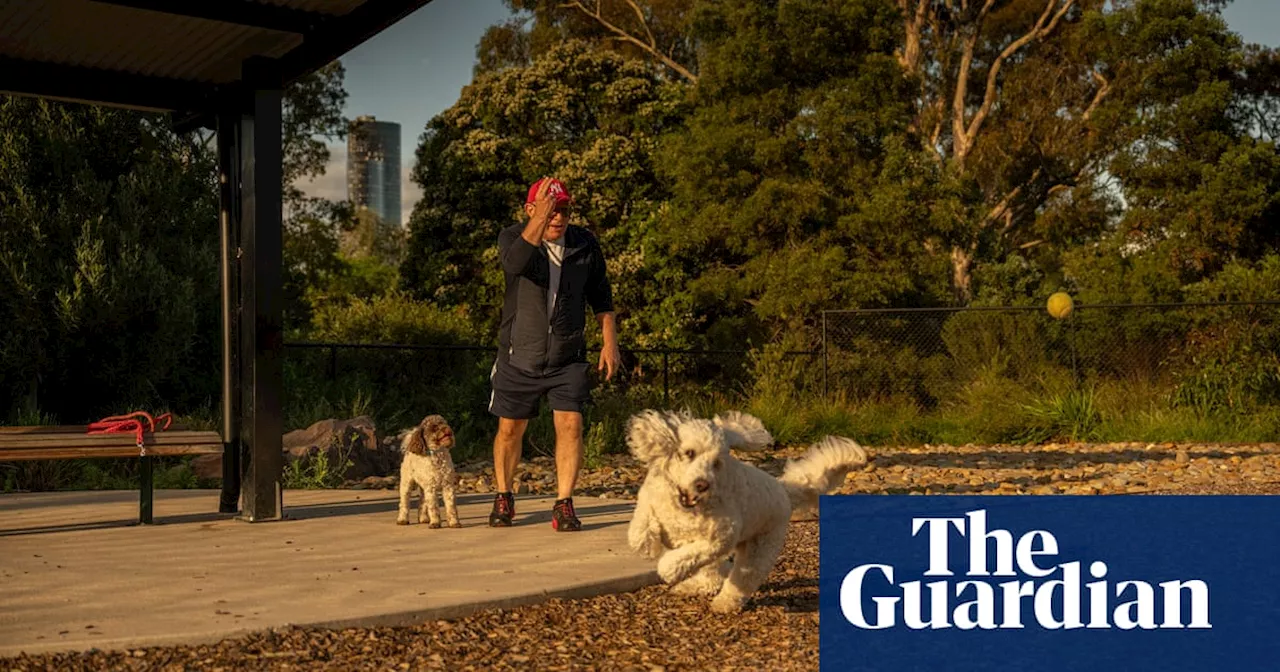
(791, 168)
(108, 251)
(314, 471)
(312, 226)
(656, 31)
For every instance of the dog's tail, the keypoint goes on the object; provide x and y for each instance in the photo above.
(820, 471)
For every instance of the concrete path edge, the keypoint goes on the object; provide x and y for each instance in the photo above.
(448, 612)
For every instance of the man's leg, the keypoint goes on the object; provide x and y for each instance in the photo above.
(506, 457)
(568, 451)
(568, 395)
(515, 399)
(507, 445)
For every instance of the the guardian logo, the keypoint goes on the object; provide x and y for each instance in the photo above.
(1039, 590)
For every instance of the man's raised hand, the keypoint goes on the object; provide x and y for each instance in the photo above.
(543, 210)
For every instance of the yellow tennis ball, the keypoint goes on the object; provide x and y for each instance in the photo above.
(1060, 305)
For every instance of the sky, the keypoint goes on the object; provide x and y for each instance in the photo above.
(416, 69)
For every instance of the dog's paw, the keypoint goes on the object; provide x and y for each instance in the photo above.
(402, 521)
(671, 568)
(434, 526)
(727, 604)
(455, 524)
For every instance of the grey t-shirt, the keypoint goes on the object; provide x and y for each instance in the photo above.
(555, 252)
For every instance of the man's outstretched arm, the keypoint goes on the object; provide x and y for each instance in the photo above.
(610, 354)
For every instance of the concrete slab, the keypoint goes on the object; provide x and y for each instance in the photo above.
(76, 573)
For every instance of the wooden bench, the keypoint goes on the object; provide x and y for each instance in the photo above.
(70, 442)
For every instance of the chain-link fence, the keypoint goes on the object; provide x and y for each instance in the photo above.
(1214, 357)
(670, 374)
(998, 373)
(396, 384)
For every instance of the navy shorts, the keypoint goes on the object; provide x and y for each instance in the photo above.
(517, 394)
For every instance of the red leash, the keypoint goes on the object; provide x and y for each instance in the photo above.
(133, 422)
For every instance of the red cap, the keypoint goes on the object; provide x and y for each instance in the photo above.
(556, 190)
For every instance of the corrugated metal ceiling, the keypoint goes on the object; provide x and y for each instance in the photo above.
(143, 42)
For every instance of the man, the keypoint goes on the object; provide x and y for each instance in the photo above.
(554, 271)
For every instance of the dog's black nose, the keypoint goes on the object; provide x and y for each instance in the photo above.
(701, 485)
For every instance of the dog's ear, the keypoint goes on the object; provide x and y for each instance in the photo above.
(415, 443)
(743, 431)
(651, 435)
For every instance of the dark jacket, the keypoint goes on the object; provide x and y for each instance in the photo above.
(533, 341)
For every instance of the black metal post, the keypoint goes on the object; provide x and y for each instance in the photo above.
(228, 219)
(261, 291)
(666, 389)
(146, 503)
(333, 363)
(1075, 365)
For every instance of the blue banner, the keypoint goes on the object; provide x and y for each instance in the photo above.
(956, 583)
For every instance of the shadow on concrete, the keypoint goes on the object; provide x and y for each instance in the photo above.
(111, 524)
(25, 501)
(385, 504)
(389, 505)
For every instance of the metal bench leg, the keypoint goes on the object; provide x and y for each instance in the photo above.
(147, 495)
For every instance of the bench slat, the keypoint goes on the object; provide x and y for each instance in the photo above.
(91, 440)
(8, 454)
(63, 430)
(71, 442)
(105, 441)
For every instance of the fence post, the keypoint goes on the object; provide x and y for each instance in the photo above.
(666, 390)
(1075, 364)
(333, 363)
(825, 388)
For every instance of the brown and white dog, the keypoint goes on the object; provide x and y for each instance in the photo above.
(428, 464)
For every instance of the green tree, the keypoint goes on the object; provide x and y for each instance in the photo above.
(1199, 172)
(109, 250)
(653, 31)
(1043, 115)
(794, 188)
(312, 117)
(108, 261)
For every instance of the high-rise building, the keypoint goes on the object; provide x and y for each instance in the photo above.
(373, 167)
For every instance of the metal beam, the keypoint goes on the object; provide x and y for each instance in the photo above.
(229, 145)
(238, 12)
(331, 41)
(261, 291)
(186, 122)
(102, 87)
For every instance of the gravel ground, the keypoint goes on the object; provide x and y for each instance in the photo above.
(651, 629)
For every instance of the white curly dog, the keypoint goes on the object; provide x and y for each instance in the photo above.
(699, 504)
(428, 465)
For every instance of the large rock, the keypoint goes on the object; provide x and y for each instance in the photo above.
(207, 467)
(354, 440)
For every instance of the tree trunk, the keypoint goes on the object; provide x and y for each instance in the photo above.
(962, 273)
